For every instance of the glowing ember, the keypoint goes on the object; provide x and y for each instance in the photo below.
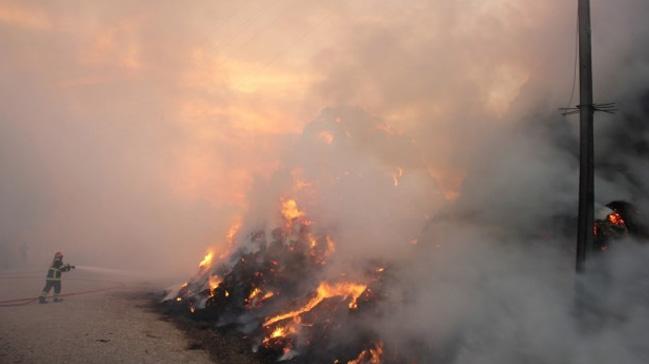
(369, 356)
(312, 241)
(616, 219)
(278, 332)
(257, 296)
(254, 294)
(324, 291)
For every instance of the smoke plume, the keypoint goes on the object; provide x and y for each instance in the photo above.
(425, 134)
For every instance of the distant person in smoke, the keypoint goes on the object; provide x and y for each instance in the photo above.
(53, 278)
(24, 252)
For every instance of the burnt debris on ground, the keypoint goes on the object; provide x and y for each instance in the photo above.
(271, 298)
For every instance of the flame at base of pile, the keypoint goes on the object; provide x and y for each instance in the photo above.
(369, 356)
(324, 291)
(274, 291)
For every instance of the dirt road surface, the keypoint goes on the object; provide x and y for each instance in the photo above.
(111, 326)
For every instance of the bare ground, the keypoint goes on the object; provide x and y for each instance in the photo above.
(224, 346)
(113, 326)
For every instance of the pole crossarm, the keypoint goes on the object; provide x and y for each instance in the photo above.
(609, 108)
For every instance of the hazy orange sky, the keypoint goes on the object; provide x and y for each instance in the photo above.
(146, 122)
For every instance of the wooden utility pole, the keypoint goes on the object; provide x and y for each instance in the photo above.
(586, 143)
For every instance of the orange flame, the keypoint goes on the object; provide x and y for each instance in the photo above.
(207, 260)
(282, 331)
(257, 296)
(229, 239)
(325, 290)
(221, 253)
(369, 356)
(312, 241)
(321, 251)
(214, 282)
(255, 292)
(290, 210)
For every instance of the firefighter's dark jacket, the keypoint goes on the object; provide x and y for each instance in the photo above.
(54, 273)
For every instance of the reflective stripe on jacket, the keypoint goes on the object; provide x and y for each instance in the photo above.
(54, 274)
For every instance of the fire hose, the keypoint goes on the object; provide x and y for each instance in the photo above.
(28, 300)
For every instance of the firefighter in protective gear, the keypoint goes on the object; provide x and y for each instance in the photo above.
(53, 278)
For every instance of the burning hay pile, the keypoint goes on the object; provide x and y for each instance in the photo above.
(274, 289)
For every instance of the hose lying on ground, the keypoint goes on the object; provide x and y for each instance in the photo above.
(25, 301)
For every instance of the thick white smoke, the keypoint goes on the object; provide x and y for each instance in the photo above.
(131, 138)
